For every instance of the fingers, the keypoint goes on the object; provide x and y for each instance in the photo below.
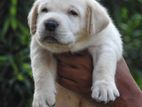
(72, 85)
(77, 73)
(68, 72)
(78, 60)
(80, 77)
(75, 70)
(69, 84)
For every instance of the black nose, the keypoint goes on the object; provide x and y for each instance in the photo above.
(51, 25)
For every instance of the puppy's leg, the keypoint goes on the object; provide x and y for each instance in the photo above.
(43, 68)
(103, 87)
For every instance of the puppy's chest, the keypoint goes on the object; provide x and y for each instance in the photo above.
(72, 59)
(84, 44)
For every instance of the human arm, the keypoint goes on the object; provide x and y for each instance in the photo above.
(75, 73)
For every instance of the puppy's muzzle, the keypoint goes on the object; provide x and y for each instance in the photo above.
(51, 25)
(50, 34)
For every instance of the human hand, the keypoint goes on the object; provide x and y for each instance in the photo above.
(75, 71)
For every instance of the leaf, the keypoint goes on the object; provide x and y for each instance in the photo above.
(3, 58)
(20, 77)
(14, 2)
(14, 23)
(5, 27)
(13, 8)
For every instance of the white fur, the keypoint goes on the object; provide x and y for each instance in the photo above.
(105, 46)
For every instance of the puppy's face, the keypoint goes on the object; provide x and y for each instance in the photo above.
(59, 24)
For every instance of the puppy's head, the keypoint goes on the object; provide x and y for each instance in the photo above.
(59, 24)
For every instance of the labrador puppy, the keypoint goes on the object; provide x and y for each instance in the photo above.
(59, 26)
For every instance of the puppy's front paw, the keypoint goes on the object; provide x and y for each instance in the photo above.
(103, 91)
(44, 99)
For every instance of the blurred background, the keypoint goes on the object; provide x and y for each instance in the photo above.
(16, 84)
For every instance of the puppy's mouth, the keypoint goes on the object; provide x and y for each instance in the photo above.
(54, 38)
(49, 39)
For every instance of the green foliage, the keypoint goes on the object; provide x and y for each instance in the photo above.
(130, 24)
(16, 85)
(15, 75)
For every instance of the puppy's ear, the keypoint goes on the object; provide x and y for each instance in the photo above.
(97, 17)
(32, 18)
(88, 20)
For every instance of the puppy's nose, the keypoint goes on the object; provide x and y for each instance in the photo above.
(51, 25)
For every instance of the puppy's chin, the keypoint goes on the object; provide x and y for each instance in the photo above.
(55, 47)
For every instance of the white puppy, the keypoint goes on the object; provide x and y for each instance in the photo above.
(73, 25)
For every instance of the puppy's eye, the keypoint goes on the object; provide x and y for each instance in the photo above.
(73, 13)
(44, 10)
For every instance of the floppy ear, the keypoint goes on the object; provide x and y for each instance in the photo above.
(97, 17)
(32, 18)
(88, 20)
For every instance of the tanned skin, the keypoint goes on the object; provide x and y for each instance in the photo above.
(75, 71)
